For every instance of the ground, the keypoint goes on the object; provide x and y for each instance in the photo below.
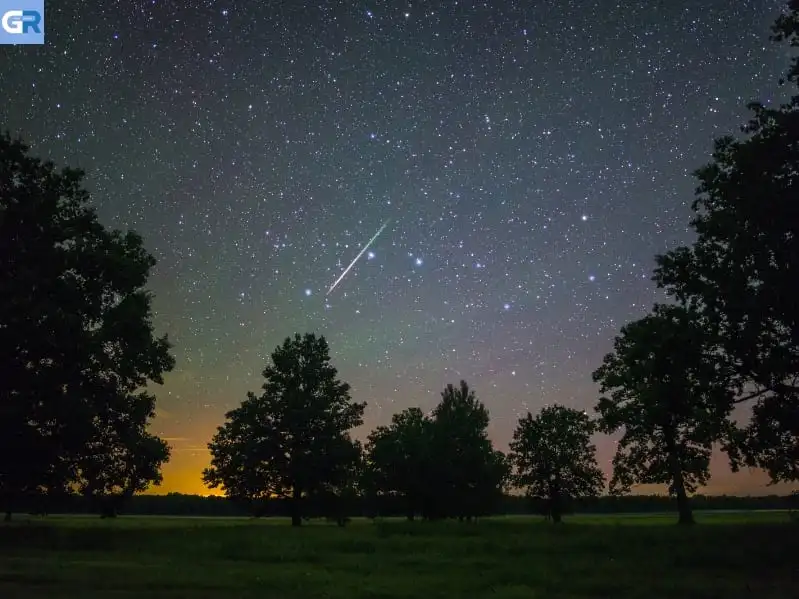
(725, 556)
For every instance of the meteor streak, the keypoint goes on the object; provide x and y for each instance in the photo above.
(361, 253)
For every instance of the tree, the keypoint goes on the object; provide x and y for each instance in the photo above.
(466, 475)
(292, 441)
(338, 497)
(123, 460)
(670, 395)
(554, 458)
(398, 459)
(740, 274)
(76, 333)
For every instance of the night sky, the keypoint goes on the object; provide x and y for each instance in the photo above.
(532, 157)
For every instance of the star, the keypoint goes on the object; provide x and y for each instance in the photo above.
(256, 163)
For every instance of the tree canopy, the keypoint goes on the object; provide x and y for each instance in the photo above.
(554, 459)
(740, 274)
(669, 397)
(76, 340)
(398, 462)
(292, 440)
(467, 474)
(438, 466)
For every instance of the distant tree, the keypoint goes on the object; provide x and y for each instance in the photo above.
(467, 475)
(489, 485)
(670, 397)
(554, 458)
(76, 334)
(338, 498)
(741, 271)
(293, 440)
(122, 461)
(398, 460)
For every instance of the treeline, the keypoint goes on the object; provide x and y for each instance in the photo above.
(79, 358)
(180, 504)
(728, 337)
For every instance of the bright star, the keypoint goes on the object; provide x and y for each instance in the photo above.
(592, 278)
(370, 255)
(307, 292)
(584, 218)
(419, 262)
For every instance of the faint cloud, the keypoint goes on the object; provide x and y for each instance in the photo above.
(191, 449)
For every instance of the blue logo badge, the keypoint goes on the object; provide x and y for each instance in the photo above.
(21, 22)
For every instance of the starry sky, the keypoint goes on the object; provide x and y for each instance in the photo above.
(531, 159)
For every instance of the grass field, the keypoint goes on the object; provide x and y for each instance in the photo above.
(728, 555)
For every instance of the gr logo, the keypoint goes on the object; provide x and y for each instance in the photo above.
(21, 21)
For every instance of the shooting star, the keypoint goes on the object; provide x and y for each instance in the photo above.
(361, 253)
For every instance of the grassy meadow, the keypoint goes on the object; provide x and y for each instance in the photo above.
(727, 555)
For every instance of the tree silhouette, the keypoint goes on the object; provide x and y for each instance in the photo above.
(338, 496)
(123, 460)
(292, 440)
(741, 271)
(398, 460)
(554, 458)
(76, 338)
(669, 393)
(466, 475)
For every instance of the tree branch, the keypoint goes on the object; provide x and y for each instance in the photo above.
(783, 387)
(751, 396)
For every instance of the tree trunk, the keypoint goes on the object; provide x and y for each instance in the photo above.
(554, 502)
(8, 516)
(683, 503)
(410, 507)
(296, 515)
(686, 516)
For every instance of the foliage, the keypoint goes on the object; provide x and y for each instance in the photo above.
(293, 439)
(740, 274)
(670, 395)
(554, 458)
(440, 466)
(398, 460)
(466, 474)
(76, 339)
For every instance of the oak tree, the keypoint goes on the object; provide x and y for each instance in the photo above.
(669, 394)
(740, 273)
(293, 440)
(77, 343)
(554, 459)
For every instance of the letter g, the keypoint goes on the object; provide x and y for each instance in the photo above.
(12, 21)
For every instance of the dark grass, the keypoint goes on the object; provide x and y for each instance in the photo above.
(730, 555)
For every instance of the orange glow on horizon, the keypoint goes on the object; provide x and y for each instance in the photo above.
(183, 474)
